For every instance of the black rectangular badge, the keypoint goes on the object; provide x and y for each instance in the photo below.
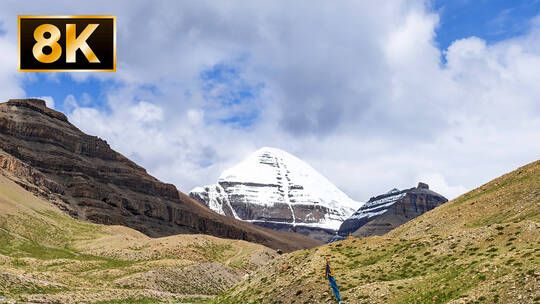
(67, 43)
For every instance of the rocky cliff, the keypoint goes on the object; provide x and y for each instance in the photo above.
(275, 189)
(83, 176)
(388, 211)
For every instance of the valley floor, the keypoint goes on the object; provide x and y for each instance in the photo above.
(48, 257)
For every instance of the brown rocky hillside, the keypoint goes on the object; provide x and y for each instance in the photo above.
(88, 180)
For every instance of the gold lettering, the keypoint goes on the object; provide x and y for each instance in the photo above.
(74, 43)
(42, 42)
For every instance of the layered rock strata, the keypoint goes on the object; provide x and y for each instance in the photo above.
(83, 176)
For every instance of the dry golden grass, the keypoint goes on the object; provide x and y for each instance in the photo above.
(483, 247)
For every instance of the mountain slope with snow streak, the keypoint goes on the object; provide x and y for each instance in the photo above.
(275, 189)
(390, 210)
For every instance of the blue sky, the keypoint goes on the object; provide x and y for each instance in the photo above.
(491, 20)
(62, 85)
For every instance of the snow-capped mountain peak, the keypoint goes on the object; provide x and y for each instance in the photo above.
(272, 187)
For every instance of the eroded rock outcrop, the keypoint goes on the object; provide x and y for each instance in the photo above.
(390, 210)
(83, 176)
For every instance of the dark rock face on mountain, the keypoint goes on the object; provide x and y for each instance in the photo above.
(388, 211)
(84, 177)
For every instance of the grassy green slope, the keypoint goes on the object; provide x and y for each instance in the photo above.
(483, 247)
(47, 256)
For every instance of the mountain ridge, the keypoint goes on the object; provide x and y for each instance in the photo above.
(385, 212)
(275, 189)
(85, 178)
